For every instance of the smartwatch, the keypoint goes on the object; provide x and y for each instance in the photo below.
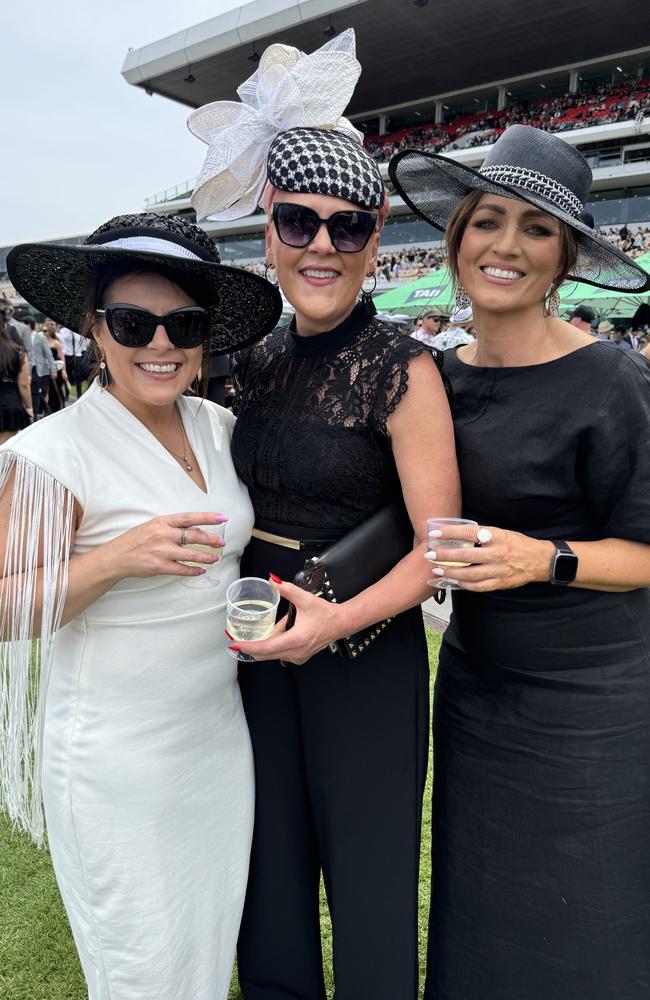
(564, 564)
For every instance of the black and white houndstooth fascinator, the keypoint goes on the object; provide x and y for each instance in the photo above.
(530, 165)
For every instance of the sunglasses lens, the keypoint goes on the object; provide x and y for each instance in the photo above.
(350, 231)
(187, 327)
(296, 225)
(131, 327)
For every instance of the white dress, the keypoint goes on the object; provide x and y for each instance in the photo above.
(147, 765)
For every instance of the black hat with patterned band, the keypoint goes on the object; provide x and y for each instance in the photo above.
(56, 278)
(532, 166)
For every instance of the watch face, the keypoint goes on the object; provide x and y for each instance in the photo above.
(565, 567)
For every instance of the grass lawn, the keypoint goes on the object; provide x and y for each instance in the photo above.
(38, 960)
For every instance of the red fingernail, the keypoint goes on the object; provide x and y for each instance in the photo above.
(235, 649)
(229, 635)
(275, 578)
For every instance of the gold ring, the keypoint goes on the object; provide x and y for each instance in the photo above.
(182, 538)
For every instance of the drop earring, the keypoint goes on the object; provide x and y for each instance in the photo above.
(552, 301)
(268, 266)
(463, 300)
(103, 373)
(368, 308)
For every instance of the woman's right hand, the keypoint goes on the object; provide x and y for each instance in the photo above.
(154, 548)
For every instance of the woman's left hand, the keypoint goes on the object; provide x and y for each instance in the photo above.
(317, 625)
(502, 559)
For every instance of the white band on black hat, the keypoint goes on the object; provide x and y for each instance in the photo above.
(531, 180)
(149, 244)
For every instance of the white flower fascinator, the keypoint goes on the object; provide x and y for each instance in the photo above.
(289, 89)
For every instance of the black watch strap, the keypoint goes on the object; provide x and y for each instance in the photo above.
(564, 564)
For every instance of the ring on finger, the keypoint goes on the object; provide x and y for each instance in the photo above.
(182, 538)
(483, 536)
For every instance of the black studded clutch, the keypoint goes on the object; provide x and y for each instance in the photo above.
(355, 562)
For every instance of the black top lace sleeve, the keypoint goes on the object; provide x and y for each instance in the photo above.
(310, 440)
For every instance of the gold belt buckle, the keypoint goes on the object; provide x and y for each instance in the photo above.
(267, 536)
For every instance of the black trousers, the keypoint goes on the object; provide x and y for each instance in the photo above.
(340, 758)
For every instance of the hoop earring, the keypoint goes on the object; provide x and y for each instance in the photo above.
(103, 373)
(463, 300)
(269, 267)
(368, 308)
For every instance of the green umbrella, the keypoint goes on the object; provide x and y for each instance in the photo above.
(605, 301)
(433, 291)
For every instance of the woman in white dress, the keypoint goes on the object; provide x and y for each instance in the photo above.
(135, 734)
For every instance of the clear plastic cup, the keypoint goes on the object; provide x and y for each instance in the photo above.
(433, 544)
(251, 609)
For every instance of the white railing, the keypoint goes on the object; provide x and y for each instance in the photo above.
(171, 193)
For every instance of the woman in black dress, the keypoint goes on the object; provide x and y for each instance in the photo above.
(336, 414)
(541, 858)
(59, 389)
(15, 397)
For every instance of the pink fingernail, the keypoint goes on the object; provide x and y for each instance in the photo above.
(431, 554)
(438, 571)
(220, 518)
(435, 534)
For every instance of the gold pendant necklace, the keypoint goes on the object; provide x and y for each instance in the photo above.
(182, 458)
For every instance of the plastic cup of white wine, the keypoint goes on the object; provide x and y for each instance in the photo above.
(251, 608)
(211, 576)
(434, 543)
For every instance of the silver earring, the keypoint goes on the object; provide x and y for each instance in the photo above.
(552, 301)
(463, 300)
(269, 267)
(368, 308)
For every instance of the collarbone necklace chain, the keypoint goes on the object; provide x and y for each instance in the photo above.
(183, 459)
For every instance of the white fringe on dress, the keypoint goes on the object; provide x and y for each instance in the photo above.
(40, 525)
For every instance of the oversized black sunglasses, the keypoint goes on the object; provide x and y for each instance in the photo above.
(297, 225)
(132, 326)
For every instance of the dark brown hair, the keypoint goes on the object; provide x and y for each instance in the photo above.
(96, 299)
(458, 223)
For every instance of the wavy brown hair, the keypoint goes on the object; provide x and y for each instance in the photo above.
(458, 223)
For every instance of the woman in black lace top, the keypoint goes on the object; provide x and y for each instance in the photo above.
(337, 416)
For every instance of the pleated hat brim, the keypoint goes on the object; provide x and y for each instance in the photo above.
(55, 278)
(433, 185)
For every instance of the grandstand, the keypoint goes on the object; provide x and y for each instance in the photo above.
(447, 76)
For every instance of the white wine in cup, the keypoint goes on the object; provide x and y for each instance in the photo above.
(211, 577)
(434, 543)
(251, 608)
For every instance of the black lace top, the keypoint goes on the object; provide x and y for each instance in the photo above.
(310, 440)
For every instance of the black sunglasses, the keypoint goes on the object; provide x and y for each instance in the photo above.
(132, 326)
(297, 225)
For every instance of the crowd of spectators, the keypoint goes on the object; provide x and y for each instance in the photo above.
(632, 240)
(600, 106)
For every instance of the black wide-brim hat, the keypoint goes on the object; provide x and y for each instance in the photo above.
(532, 166)
(56, 278)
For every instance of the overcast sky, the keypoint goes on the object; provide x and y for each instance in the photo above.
(80, 143)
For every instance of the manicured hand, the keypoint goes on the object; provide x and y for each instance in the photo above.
(318, 623)
(153, 548)
(502, 559)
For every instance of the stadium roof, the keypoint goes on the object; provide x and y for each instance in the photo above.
(410, 50)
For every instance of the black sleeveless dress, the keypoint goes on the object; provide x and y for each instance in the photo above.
(340, 746)
(541, 859)
(13, 416)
